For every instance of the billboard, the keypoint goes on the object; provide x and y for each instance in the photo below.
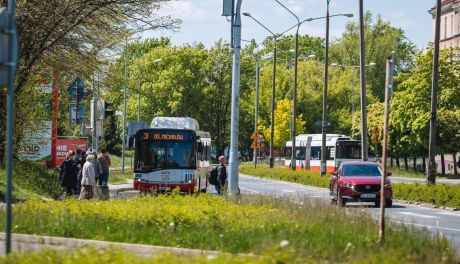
(64, 145)
(36, 146)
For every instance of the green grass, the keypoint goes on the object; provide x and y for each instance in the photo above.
(89, 255)
(116, 177)
(278, 229)
(440, 194)
(401, 172)
(303, 177)
(116, 160)
(30, 179)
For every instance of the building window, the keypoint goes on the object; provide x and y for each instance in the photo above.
(451, 25)
(445, 27)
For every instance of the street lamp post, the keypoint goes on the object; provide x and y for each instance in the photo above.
(139, 89)
(273, 88)
(324, 121)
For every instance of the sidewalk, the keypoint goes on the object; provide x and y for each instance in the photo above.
(115, 189)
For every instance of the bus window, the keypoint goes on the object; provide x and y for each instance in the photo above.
(316, 153)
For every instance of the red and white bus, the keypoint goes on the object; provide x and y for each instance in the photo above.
(339, 148)
(172, 153)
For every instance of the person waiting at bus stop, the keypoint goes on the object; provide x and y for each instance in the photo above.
(105, 162)
(88, 180)
(221, 175)
(69, 173)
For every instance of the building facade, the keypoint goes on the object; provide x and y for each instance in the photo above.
(450, 23)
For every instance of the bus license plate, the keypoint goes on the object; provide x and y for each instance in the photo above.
(368, 195)
(163, 188)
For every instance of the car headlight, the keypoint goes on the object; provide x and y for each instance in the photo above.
(347, 185)
(387, 185)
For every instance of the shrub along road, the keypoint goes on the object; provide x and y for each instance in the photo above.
(437, 221)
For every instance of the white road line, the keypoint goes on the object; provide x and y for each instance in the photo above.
(449, 213)
(249, 190)
(428, 226)
(420, 215)
(291, 191)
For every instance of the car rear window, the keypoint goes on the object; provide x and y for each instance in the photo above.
(361, 170)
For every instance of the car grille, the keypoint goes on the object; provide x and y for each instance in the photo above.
(367, 188)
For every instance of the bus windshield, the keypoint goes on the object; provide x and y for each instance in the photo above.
(166, 155)
(348, 149)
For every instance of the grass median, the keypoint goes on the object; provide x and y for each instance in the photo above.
(278, 229)
(440, 194)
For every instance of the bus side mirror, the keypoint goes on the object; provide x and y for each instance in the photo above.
(200, 147)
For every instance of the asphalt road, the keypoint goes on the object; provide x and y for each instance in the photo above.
(439, 222)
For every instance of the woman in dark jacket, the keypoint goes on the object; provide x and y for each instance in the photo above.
(69, 172)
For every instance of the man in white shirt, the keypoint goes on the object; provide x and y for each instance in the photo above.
(88, 180)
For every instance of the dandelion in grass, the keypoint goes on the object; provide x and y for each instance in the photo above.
(284, 243)
(221, 235)
(210, 257)
(172, 224)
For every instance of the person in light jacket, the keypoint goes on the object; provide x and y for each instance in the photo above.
(88, 180)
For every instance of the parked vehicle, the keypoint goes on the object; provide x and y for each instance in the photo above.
(359, 181)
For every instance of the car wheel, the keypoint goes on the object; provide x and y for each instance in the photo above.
(388, 203)
(340, 201)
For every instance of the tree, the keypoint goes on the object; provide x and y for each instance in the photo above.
(73, 36)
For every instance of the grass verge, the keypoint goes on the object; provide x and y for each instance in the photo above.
(116, 177)
(265, 226)
(31, 180)
(440, 194)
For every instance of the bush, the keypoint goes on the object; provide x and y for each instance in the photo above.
(29, 179)
(441, 195)
(277, 229)
(302, 177)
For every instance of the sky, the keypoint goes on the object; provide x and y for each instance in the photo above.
(202, 20)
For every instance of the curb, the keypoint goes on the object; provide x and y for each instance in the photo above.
(28, 243)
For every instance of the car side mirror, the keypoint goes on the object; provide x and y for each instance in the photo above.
(388, 173)
(334, 173)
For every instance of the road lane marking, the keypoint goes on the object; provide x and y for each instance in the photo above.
(420, 215)
(428, 226)
(448, 213)
(249, 190)
(291, 191)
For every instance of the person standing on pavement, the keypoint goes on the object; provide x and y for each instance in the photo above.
(88, 180)
(221, 175)
(69, 173)
(105, 161)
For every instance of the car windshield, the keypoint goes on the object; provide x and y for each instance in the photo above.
(361, 170)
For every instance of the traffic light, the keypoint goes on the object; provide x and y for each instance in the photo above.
(107, 110)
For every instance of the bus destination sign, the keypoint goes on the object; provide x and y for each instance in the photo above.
(164, 136)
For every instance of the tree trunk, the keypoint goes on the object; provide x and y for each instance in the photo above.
(455, 164)
(443, 165)
(415, 164)
(406, 164)
(424, 165)
(397, 162)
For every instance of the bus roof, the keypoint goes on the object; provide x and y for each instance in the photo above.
(175, 123)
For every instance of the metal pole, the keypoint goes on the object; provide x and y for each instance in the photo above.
(139, 95)
(10, 122)
(431, 171)
(352, 97)
(124, 106)
(294, 98)
(234, 130)
(94, 125)
(388, 90)
(323, 167)
(362, 67)
(256, 108)
(272, 127)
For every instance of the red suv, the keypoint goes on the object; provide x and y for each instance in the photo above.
(359, 181)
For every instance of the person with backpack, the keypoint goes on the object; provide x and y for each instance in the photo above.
(221, 175)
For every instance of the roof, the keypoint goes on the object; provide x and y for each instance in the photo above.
(175, 123)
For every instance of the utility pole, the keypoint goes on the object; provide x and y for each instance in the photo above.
(388, 91)
(234, 129)
(272, 126)
(124, 110)
(11, 64)
(256, 107)
(323, 166)
(362, 68)
(431, 171)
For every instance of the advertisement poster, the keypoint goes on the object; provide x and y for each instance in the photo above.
(64, 145)
(37, 146)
